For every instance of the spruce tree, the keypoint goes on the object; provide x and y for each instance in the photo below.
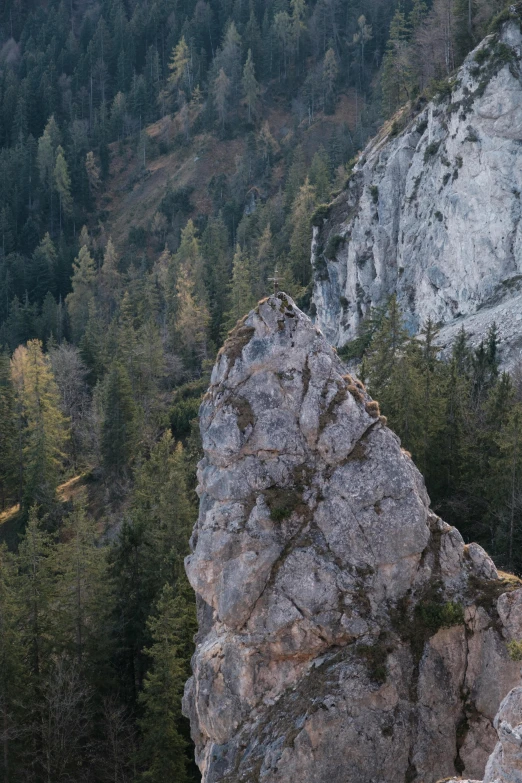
(250, 85)
(118, 432)
(164, 748)
(83, 288)
(13, 672)
(84, 593)
(241, 297)
(62, 183)
(397, 71)
(299, 256)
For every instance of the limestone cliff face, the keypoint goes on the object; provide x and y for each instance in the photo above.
(346, 633)
(433, 213)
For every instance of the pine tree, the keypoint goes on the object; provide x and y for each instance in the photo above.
(465, 38)
(161, 504)
(13, 673)
(110, 281)
(215, 250)
(320, 175)
(507, 469)
(118, 434)
(241, 296)
(83, 592)
(432, 377)
(83, 286)
(93, 172)
(37, 595)
(62, 183)
(43, 428)
(164, 748)
(221, 94)
(250, 85)
(43, 269)
(397, 71)
(329, 77)
(299, 256)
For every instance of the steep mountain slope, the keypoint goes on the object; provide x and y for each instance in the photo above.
(433, 213)
(346, 633)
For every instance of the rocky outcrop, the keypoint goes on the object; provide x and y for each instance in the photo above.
(433, 212)
(505, 763)
(346, 633)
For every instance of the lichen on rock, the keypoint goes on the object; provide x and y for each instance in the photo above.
(346, 633)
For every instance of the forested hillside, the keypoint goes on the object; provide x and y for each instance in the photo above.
(157, 161)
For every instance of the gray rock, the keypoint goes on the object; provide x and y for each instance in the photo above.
(505, 763)
(433, 213)
(347, 634)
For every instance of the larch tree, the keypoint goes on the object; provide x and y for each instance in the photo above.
(180, 67)
(43, 427)
(192, 320)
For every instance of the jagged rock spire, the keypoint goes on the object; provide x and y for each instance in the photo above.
(347, 634)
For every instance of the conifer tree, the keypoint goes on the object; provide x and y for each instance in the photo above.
(13, 674)
(62, 183)
(44, 429)
(162, 505)
(250, 85)
(241, 296)
(164, 748)
(221, 94)
(189, 257)
(43, 269)
(118, 434)
(180, 67)
(330, 73)
(215, 250)
(320, 175)
(83, 287)
(192, 320)
(507, 500)
(83, 592)
(299, 256)
(93, 172)
(110, 281)
(397, 72)
(8, 434)
(37, 591)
